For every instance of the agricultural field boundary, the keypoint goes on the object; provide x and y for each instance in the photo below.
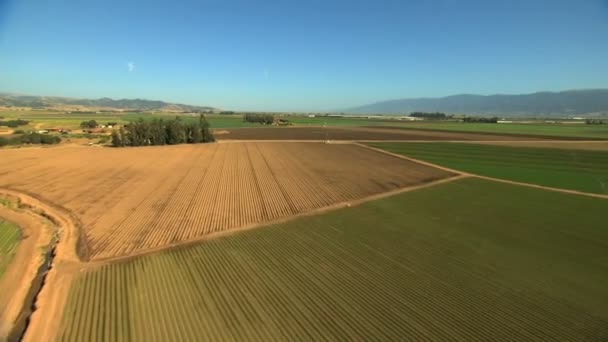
(65, 263)
(22, 269)
(99, 262)
(566, 191)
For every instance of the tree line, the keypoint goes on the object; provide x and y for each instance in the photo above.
(95, 124)
(162, 132)
(430, 116)
(13, 123)
(30, 138)
(595, 122)
(89, 124)
(474, 119)
(264, 119)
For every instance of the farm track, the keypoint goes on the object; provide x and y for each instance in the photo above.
(65, 261)
(19, 262)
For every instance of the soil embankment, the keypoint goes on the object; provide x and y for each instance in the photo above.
(24, 268)
(48, 254)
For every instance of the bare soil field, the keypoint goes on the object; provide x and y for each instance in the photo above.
(355, 133)
(136, 199)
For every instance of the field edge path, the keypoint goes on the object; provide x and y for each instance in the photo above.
(23, 268)
(44, 323)
(100, 262)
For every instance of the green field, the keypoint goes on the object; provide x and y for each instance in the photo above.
(532, 129)
(335, 121)
(50, 119)
(568, 169)
(235, 121)
(9, 239)
(47, 119)
(467, 260)
(216, 121)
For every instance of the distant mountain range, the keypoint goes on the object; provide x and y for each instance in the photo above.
(565, 103)
(63, 103)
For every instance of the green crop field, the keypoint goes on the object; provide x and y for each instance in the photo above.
(540, 129)
(49, 119)
(41, 119)
(235, 121)
(466, 260)
(303, 120)
(568, 169)
(9, 238)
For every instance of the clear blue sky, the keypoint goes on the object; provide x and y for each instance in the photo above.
(301, 55)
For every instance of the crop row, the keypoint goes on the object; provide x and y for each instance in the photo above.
(131, 200)
(9, 239)
(573, 169)
(417, 266)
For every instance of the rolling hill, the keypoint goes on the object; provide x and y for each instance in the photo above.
(565, 103)
(63, 103)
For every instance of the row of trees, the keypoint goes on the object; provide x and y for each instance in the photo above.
(264, 119)
(162, 132)
(14, 123)
(89, 124)
(430, 116)
(30, 138)
(95, 124)
(595, 122)
(475, 119)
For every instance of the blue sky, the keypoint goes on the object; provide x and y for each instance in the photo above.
(300, 55)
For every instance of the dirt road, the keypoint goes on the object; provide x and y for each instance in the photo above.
(45, 220)
(15, 283)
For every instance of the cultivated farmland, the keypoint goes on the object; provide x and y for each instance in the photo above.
(9, 238)
(353, 133)
(133, 200)
(467, 260)
(567, 131)
(580, 170)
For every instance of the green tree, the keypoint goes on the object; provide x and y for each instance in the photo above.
(89, 124)
(116, 139)
(163, 132)
(124, 140)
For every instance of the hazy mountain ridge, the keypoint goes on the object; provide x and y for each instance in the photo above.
(64, 103)
(565, 103)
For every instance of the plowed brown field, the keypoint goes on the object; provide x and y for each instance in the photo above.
(134, 199)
